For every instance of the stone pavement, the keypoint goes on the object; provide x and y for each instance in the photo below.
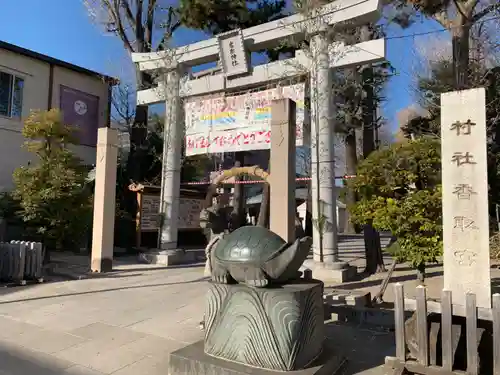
(127, 323)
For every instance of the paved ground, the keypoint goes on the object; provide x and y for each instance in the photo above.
(127, 323)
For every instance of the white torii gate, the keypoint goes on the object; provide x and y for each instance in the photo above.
(237, 74)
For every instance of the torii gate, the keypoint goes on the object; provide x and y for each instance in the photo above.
(232, 50)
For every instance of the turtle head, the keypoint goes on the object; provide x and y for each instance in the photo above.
(287, 261)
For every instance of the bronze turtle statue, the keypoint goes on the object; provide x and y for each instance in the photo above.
(255, 256)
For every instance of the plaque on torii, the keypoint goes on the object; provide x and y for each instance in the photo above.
(232, 54)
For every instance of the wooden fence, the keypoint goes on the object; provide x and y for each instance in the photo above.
(422, 365)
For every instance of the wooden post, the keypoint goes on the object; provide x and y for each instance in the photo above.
(496, 333)
(422, 337)
(138, 220)
(471, 333)
(399, 313)
(446, 324)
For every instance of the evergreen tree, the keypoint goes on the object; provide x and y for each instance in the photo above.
(399, 190)
(218, 16)
(55, 199)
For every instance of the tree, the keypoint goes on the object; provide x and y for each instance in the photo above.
(55, 199)
(399, 190)
(123, 106)
(143, 26)
(458, 16)
(218, 16)
(359, 91)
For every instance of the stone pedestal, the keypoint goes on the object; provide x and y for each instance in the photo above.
(279, 328)
(331, 271)
(191, 360)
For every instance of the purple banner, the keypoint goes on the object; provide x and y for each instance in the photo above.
(80, 110)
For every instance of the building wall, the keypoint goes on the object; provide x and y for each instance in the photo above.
(35, 95)
(36, 75)
(89, 85)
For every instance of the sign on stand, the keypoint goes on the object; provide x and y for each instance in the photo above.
(465, 196)
(149, 218)
(189, 213)
(149, 214)
(238, 123)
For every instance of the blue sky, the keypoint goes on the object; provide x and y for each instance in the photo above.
(62, 29)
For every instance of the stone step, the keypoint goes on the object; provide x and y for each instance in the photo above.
(351, 242)
(335, 297)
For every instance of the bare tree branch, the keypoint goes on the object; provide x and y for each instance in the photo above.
(148, 37)
(170, 27)
(465, 10)
(114, 13)
(139, 29)
(443, 19)
(489, 9)
(124, 108)
(128, 12)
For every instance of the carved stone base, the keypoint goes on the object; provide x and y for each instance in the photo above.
(191, 360)
(279, 328)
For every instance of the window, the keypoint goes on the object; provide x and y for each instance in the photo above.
(11, 95)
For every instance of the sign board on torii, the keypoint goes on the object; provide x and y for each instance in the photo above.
(266, 35)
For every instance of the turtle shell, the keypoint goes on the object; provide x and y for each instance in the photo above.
(252, 244)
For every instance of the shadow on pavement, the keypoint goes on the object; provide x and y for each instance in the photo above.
(157, 268)
(6, 288)
(16, 360)
(364, 346)
(365, 349)
(201, 279)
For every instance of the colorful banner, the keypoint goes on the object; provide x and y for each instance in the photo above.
(237, 123)
(80, 110)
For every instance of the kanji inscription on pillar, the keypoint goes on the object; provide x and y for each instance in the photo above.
(465, 196)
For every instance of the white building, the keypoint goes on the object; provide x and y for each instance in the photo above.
(29, 81)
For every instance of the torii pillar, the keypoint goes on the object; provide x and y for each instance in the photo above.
(173, 137)
(327, 264)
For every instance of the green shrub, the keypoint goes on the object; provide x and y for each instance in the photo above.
(399, 190)
(55, 200)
